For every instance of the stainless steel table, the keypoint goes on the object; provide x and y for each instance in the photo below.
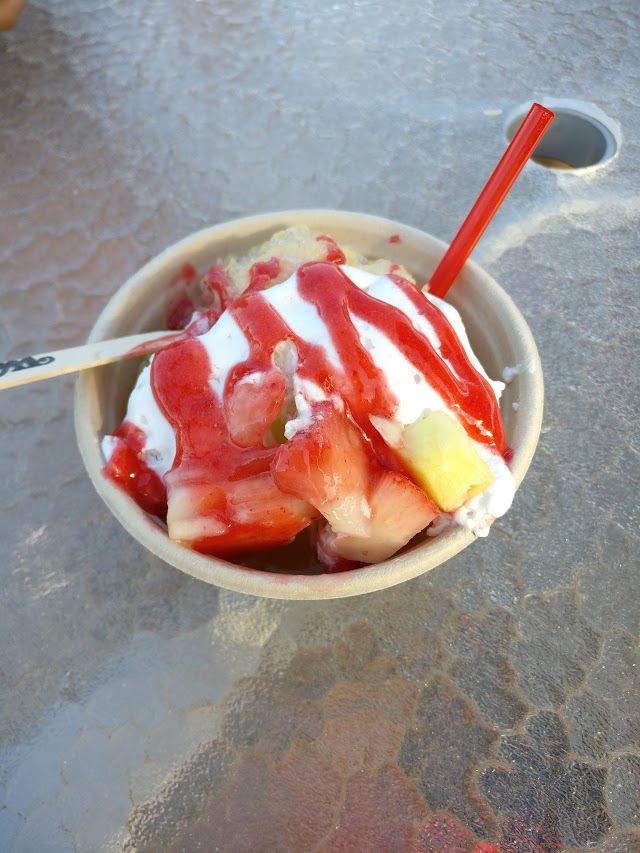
(492, 705)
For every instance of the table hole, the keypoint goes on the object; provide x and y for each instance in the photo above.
(574, 141)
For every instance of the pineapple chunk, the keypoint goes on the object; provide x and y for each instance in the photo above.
(441, 456)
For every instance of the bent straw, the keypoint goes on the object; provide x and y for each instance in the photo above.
(504, 175)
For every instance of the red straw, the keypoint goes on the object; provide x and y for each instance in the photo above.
(518, 152)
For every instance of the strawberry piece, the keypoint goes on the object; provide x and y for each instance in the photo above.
(399, 510)
(127, 468)
(246, 515)
(257, 501)
(327, 465)
(252, 403)
(196, 510)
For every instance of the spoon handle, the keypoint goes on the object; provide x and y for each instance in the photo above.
(32, 368)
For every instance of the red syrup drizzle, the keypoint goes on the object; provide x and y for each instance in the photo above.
(206, 454)
(361, 384)
(473, 398)
(178, 304)
(262, 273)
(334, 296)
(215, 289)
(334, 254)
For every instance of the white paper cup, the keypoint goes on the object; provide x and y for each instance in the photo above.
(496, 329)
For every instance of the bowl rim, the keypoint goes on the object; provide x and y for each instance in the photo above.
(258, 582)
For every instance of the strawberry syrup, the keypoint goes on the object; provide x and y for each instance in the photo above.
(205, 451)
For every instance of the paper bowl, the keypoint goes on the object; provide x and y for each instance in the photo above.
(497, 331)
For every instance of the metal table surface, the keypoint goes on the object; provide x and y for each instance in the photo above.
(492, 705)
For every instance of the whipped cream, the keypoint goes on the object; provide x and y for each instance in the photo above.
(227, 346)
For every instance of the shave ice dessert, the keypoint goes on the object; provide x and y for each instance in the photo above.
(314, 393)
